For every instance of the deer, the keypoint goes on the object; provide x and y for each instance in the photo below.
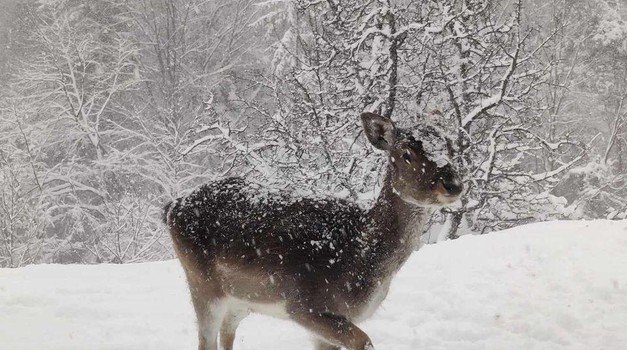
(324, 263)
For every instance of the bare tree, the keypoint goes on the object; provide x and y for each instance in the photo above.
(472, 62)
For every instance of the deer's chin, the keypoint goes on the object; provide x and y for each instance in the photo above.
(447, 201)
(430, 203)
(436, 200)
(439, 201)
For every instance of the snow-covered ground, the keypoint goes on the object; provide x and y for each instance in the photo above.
(556, 285)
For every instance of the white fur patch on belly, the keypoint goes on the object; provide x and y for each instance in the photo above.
(277, 310)
(242, 287)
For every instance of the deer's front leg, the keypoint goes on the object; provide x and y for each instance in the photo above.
(334, 329)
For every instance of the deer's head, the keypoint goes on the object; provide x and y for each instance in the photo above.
(421, 169)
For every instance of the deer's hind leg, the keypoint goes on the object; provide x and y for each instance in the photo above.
(229, 326)
(210, 306)
(209, 314)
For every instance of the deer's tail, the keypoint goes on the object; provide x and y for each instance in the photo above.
(166, 212)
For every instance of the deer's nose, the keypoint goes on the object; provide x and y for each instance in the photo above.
(453, 187)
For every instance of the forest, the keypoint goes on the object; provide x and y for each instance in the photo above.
(111, 108)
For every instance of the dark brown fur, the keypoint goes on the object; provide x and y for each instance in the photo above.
(326, 261)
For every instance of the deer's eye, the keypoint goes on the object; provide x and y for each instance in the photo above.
(407, 157)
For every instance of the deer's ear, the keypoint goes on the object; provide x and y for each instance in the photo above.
(380, 130)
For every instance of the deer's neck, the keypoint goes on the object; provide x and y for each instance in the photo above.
(396, 227)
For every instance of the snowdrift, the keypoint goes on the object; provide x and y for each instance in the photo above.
(554, 285)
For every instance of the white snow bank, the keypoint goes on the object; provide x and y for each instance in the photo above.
(556, 285)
